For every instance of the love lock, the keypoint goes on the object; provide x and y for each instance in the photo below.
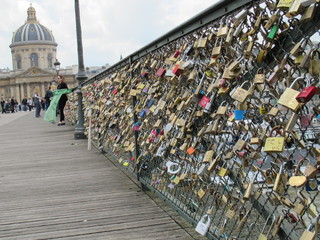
(173, 168)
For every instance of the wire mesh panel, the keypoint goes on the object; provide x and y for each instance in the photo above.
(224, 122)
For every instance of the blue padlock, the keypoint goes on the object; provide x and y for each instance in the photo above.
(239, 114)
(150, 103)
(142, 113)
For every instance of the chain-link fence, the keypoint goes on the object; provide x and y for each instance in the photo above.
(223, 121)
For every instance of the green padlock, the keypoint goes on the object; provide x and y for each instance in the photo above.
(273, 32)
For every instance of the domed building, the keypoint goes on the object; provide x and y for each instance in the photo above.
(34, 51)
(33, 45)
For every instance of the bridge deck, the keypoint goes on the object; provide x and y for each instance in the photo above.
(51, 187)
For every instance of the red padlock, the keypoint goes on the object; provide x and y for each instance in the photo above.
(176, 54)
(177, 70)
(306, 94)
(204, 101)
(161, 72)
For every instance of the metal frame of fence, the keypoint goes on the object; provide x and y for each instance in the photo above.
(170, 130)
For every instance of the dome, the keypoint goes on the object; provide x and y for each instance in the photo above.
(32, 32)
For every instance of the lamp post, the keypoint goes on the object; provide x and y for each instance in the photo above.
(57, 66)
(81, 76)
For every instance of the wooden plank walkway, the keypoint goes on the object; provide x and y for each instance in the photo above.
(51, 187)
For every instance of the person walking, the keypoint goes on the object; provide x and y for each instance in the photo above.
(48, 96)
(30, 104)
(37, 100)
(63, 99)
(12, 102)
(3, 102)
(24, 104)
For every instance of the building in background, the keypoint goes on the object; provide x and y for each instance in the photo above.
(34, 52)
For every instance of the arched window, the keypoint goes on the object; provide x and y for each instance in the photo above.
(34, 60)
(50, 60)
(18, 61)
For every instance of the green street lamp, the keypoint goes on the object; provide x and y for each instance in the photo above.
(81, 76)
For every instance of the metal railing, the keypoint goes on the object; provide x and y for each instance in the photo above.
(207, 118)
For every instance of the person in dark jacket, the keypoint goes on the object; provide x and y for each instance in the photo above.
(48, 96)
(3, 103)
(24, 103)
(63, 100)
(12, 104)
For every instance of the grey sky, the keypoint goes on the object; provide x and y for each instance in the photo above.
(109, 28)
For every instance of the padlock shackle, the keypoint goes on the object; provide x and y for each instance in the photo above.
(294, 82)
(276, 128)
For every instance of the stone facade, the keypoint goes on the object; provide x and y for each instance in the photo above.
(34, 51)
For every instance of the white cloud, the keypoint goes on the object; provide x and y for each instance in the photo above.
(109, 28)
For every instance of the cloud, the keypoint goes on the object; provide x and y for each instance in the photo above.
(109, 28)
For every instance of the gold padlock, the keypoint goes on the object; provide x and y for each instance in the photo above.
(260, 76)
(288, 98)
(241, 94)
(274, 144)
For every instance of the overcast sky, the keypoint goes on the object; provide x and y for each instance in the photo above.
(109, 27)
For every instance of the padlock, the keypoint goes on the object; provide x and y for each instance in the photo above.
(249, 189)
(248, 51)
(273, 32)
(208, 156)
(306, 118)
(216, 51)
(201, 193)
(294, 9)
(161, 72)
(307, 234)
(280, 182)
(310, 170)
(308, 13)
(273, 111)
(292, 122)
(261, 55)
(274, 144)
(204, 101)
(202, 42)
(288, 98)
(312, 185)
(203, 225)
(297, 181)
(306, 94)
(239, 114)
(241, 94)
(314, 63)
(284, 4)
(231, 211)
(263, 236)
(276, 226)
(263, 109)
(178, 69)
(223, 171)
(222, 109)
(223, 29)
(240, 144)
(273, 18)
(214, 163)
(260, 76)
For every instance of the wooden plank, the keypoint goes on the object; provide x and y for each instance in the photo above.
(52, 187)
